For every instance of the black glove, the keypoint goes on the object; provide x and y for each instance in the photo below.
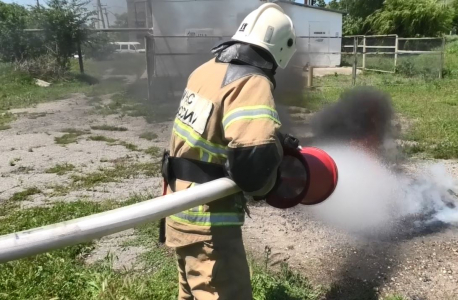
(288, 141)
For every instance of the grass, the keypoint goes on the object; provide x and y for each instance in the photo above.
(62, 274)
(101, 138)
(67, 138)
(121, 170)
(153, 151)
(71, 136)
(109, 128)
(129, 146)
(24, 195)
(5, 127)
(61, 169)
(148, 136)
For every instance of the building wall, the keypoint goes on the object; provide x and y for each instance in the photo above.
(222, 18)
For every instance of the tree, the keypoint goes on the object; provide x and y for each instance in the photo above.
(357, 12)
(65, 25)
(121, 21)
(454, 7)
(319, 3)
(410, 18)
(13, 21)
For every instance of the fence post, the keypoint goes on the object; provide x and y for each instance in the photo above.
(310, 77)
(442, 58)
(396, 44)
(355, 52)
(364, 53)
(80, 57)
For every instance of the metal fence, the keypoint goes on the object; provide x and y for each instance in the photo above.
(350, 61)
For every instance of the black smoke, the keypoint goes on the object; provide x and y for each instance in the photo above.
(359, 114)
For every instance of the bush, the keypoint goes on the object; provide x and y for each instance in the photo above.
(99, 47)
(411, 18)
(43, 67)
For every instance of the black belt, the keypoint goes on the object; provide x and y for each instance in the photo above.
(191, 170)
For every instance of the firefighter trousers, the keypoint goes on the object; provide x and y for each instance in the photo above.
(214, 271)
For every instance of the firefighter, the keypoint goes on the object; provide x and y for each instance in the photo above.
(227, 126)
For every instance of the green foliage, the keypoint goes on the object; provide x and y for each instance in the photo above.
(61, 169)
(410, 18)
(319, 3)
(109, 128)
(352, 25)
(24, 195)
(64, 24)
(98, 46)
(13, 20)
(149, 136)
(286, 285)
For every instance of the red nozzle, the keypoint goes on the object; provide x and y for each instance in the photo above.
(322, 175)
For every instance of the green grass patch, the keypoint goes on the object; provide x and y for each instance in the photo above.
(63, 274)
(4, 127)
(61, 169)
(101, 138)
(24, 195)
(148, 136)
(75, 131)
(109, 128)
(71, 136)
(153, 151)
(67, 138)
(121, 170)
(129, 146)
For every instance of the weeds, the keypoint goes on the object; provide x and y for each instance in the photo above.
(121, 170)
(109, 128)
(14, 161)
(66, 139)
(153, 151)
(61, 169)
(148, 136)
(5, 127)
(129, 146)
(101, 138)
(22, 196)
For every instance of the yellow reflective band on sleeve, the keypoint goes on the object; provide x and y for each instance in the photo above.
(195, 141)
(251, 113)
(210, 219)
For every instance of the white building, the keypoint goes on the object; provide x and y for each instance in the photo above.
(319, 32)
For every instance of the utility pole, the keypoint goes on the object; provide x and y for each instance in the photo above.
(108, 21)
(38, 4)
(99, 5)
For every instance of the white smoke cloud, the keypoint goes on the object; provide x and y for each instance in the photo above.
(372, 198)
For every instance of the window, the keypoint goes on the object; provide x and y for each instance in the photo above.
(132, 47)
(124, 47)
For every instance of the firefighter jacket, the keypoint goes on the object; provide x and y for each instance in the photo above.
(227, 116)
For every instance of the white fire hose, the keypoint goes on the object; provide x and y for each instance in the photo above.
(39, 240)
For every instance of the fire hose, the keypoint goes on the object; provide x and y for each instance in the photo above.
(309, 177)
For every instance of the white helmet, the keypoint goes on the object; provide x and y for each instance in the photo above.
(270, 28)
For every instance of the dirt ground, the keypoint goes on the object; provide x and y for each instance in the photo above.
(421, 266)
